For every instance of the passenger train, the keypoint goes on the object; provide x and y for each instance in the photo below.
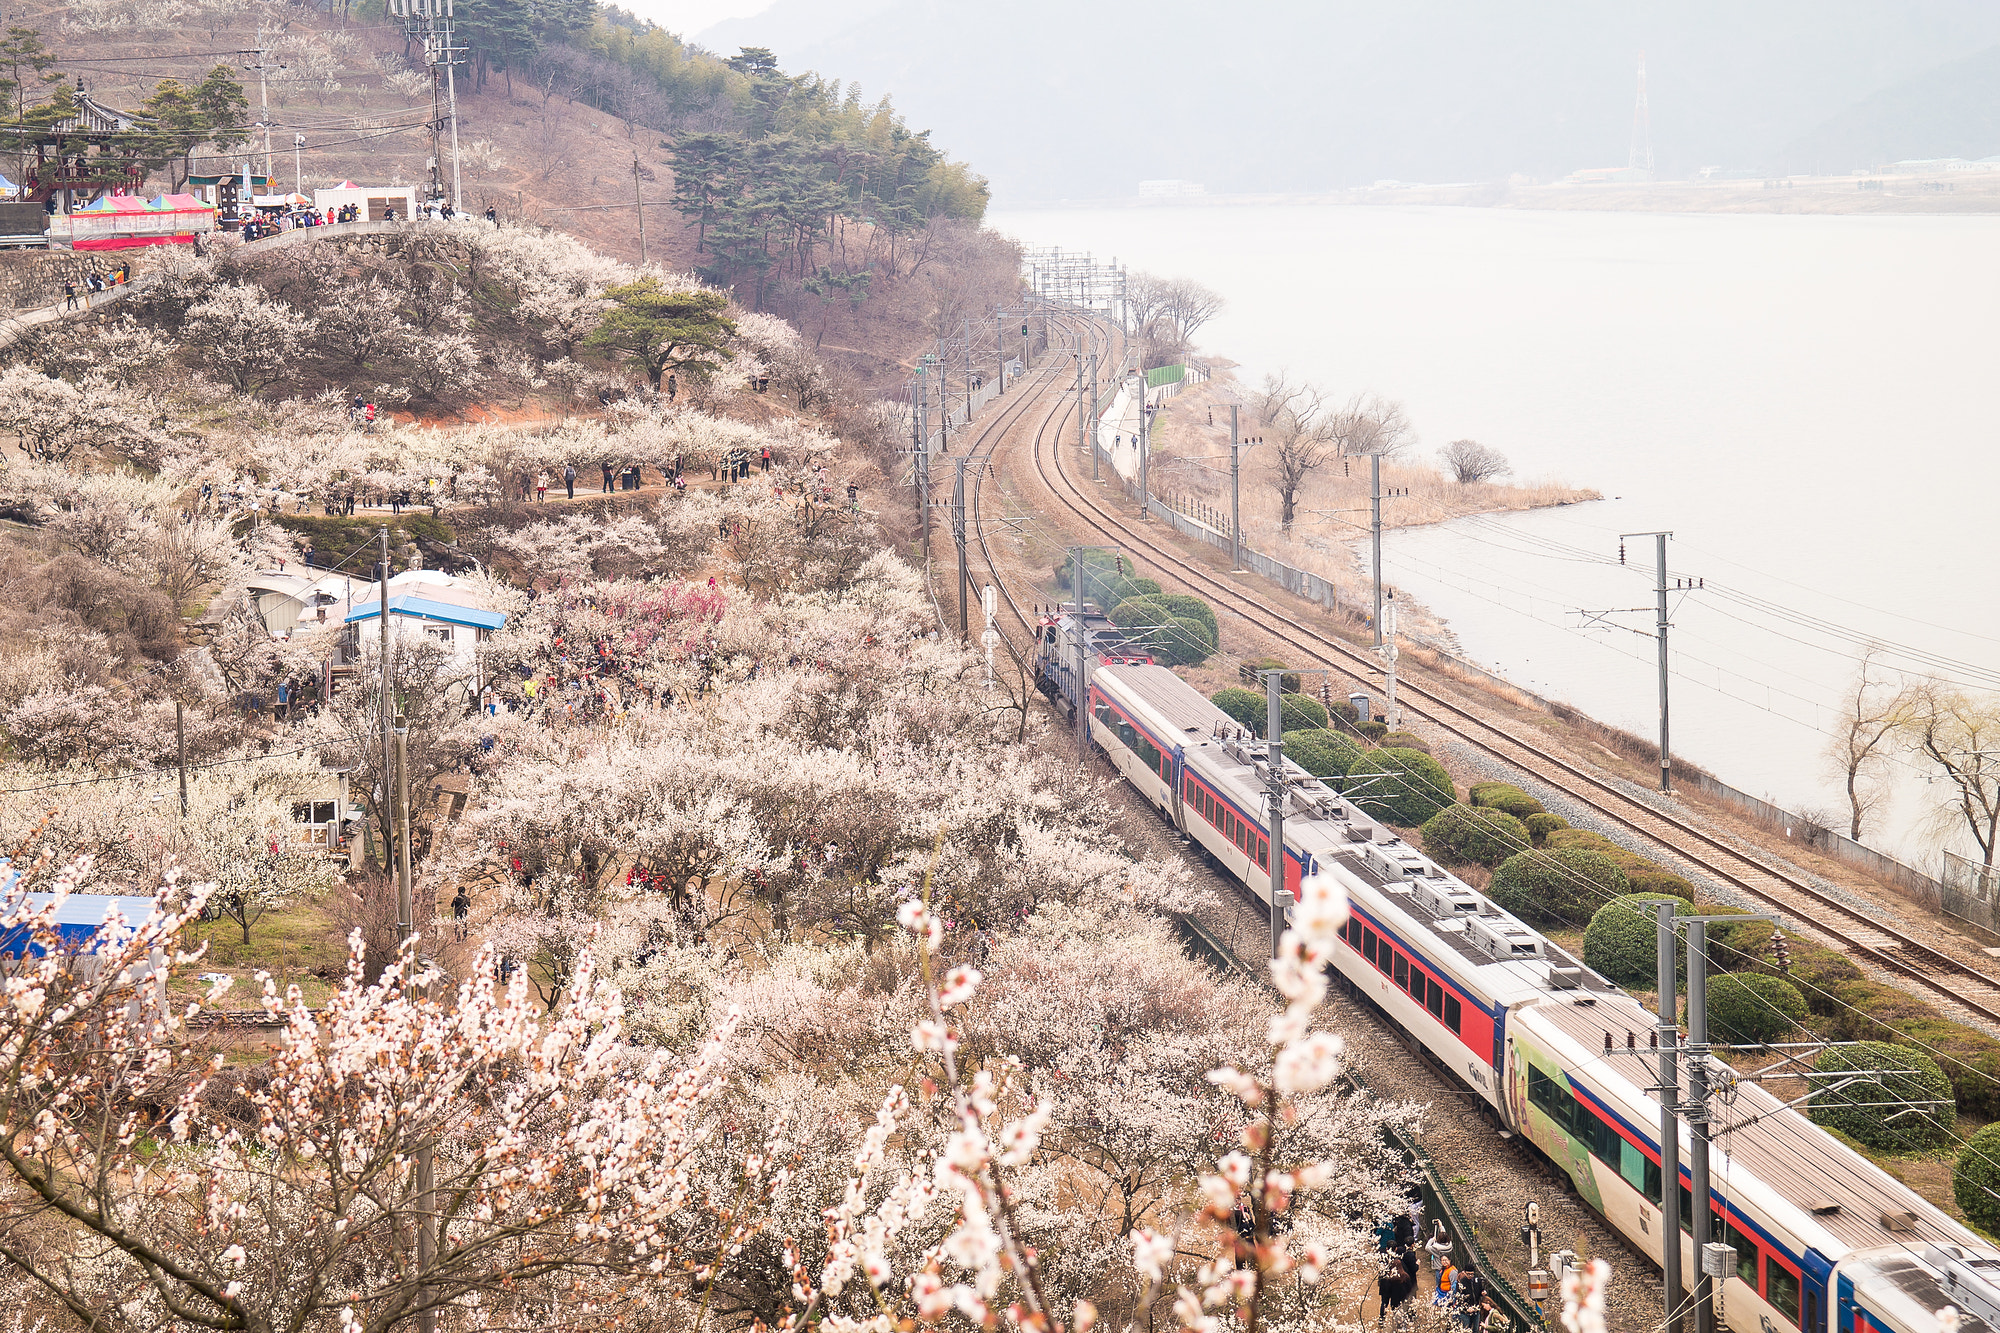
(1824, 1241)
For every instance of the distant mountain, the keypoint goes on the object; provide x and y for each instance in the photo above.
(1950, 111)
(1084, 98)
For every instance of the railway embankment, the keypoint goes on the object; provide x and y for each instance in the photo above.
(1883, 965)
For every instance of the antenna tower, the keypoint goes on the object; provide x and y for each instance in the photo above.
(1642, 126)
(429, 22)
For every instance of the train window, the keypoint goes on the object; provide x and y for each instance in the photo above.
(1687, 1210)
(1781, 1288)
(1632, 1166)
(1451, 1012)
(1263, 855)
(1434, 997)
(1402, 971)
(1190, 789)
(1368, 944)
(1746, 1252)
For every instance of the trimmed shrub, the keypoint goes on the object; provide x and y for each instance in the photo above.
(1287, 683)
(1405, 740)
(1505, 796)
(1855, 1109)
(1405, 787)
(1643, 875)
(1541, 825)
(1140, 614)
(1301, 712)
(1560, 887)
(1622, 940)
(1738, 948)
(1461, 833)
(1858, 1009)
(1246, 706)
(1327, 755)
(1750, 1007)
(1975, 1180)
(1373, 730)
(1182, 641)
(1183, 604)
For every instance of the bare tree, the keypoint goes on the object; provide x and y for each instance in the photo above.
(1190, 305)
(1369, 424)
(1146, 299)
(1872, 711)
(1959, 733)
(1299, 435)
(1470, 461)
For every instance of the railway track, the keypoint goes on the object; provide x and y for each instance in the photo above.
(1862, 935)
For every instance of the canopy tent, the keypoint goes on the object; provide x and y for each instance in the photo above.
(121, 221)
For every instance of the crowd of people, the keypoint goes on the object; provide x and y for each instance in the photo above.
(95, 281)
(1459, 1294)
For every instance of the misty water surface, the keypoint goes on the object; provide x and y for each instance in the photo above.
(1807, 402)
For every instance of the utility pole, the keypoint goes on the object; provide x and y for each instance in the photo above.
(1235, 495)
(920, 435)
(1095, 447)
(450, 53)
(1000, 348)
(298, 165)
(181, 743)
(989, 602)
(1669, 1092)
(263, 107)
(968, 370)
(1697, 1117)
(1389, 659)
(958, 536)
(388, 749)
(1080, 414)
(1375, 531)
(1274, 751)
(1660, 594)
(638, 204)
(406, 928)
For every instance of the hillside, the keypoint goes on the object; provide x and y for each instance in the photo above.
(565, 116)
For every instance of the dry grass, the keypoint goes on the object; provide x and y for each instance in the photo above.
(1190, 462)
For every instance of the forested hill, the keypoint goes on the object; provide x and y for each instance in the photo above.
(793, 190)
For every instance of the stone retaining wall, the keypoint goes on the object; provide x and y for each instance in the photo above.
(33, 278)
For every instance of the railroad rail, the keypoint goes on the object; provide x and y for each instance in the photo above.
(1862, 935)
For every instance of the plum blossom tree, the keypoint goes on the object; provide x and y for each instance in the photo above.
(536, 1153)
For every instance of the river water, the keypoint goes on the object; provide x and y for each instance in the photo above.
(1806, 402)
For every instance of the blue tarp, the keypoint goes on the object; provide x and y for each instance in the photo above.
(78, 919)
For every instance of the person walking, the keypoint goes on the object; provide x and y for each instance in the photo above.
(69, 295)
(461, 908)
(492, 215)
(569, 479)
(542, 487)
(368, 415)
(767, 458)
(606, 465)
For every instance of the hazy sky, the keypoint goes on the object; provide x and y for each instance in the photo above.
(686, 18)
(1317, 95)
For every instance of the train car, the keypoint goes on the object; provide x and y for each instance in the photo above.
(1823, 1239)
(1070, 644)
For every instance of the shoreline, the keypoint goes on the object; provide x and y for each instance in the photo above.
(1826, 196)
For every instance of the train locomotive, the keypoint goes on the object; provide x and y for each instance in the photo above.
(1824, 1241)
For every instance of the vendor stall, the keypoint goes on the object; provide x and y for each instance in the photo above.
(122, 221)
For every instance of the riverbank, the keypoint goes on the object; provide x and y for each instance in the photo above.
(1189, 471)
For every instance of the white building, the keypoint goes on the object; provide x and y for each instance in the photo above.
(423, 603)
